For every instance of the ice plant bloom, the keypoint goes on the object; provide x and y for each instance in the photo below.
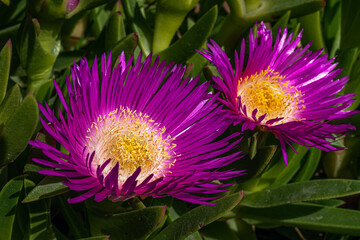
(138, 130)
(283, 89)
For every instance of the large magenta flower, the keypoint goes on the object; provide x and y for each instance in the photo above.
(138, 130)
(283, 89)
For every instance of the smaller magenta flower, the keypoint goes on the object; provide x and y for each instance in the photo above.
(283, 89)
(138, 130)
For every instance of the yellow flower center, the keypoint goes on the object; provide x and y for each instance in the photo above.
(133, 140)
(269, 95)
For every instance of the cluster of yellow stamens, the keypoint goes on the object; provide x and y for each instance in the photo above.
(133, 140)
(268, 93)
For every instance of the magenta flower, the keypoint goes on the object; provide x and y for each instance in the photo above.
(138, 131)
(283, 89)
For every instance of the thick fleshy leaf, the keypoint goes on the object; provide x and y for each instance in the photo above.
(350, 20)
(126, 45)
(347, 59)
(99, 17)
(37, 55)
(197, 63)
(194, 236)
(139, 25)
(39, 213)
(199, 217)
(219, 230)
(59, 235)
(308, 216)
(10, 104)
(3, 175)
(115, 30)
(193, 39)
(5, 60)
(86, 5)
(309, 166)
(210, 71)
(282, 22)
(104, 237)
(276, 172)
(28, 31)
(9, 15)
(328, 202)
(261, 160)
(7, 2)
(281, 173)
(169, 16)
(312, 31)
(9, 197)
(302, 191)
(22, 219)
(67, 58)
(331, 23)
(137, 224)
(50, 186)
(343, 163)
(352, 67)
(18, 130)
(254, 168)
(72, 218)
(270, 9)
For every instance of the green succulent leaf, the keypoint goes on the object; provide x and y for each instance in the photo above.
(308, 216)
(86, 5)
(269, 10)
(302, 191)
(277, 173)
(27, 34)
(9, 198)
(199, 217)
(328, 202)
(169, 16)
(10, 104)
(261, 160)
(7, 2)
(309, 166)
(331, 23)
(18, 130)
(193, 39)
(219, 230)
(137, 224)
(104, 237)
(281, 173)
(126, 45)
(5, 60)
(282, 22)
(72, 218)
(312, 31)
(50, 186)
(67, 59)
(39, 212)
(115, 30)
(37, 53)
(139, 25)
(350, 20)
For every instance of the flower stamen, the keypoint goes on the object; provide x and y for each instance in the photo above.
(133, 140)
(266, 92)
